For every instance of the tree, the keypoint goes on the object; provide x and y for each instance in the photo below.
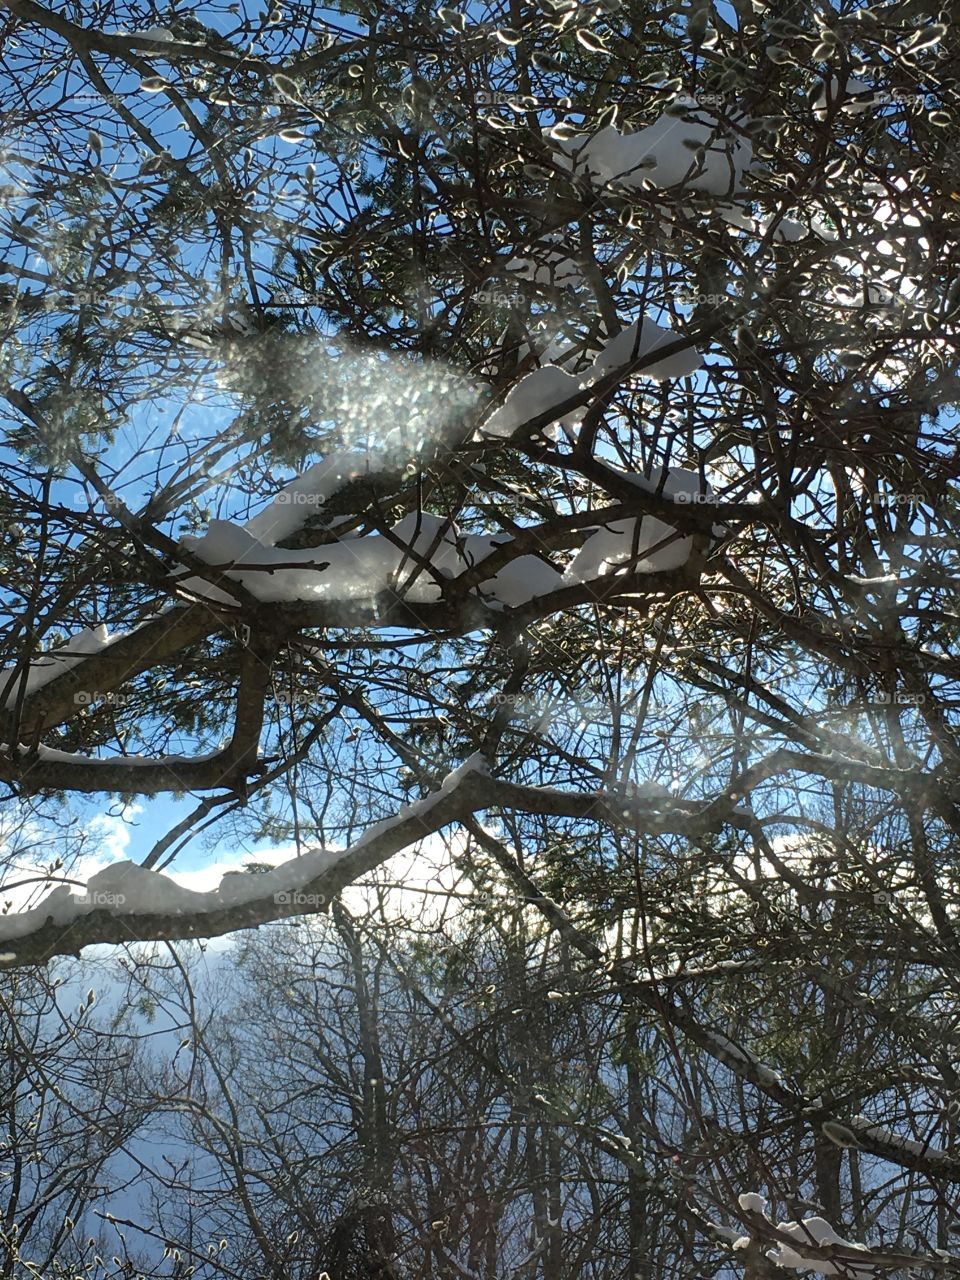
(534, 425)
(70, 1120)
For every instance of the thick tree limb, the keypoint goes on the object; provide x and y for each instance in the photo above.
(474, 792)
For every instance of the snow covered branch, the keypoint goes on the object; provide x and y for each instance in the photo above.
(158, 909)
(812, 1244)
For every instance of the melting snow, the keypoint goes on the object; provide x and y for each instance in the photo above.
(360, 567)
(50, 665)
(473, 764)
(549, 387)
(753, 1202)
(786, 230)
(642, 340)
(864, 1127)
(162, 34)
(304, 496)
(128, 889)
(815, 1232)
(533, 395)
(620, 541)
(688, 149)
(852, 97)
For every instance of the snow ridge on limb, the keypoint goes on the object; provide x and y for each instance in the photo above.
(50, 665)
(104, 666)
(302, 497)
(552, 390)
(812, 1244)
(526, 584)
(414, 559)
(647, 544)
(637, 340)
(127, 889)
(63, 925)
(126, 902)
(869, 1137)
(684, 147)
(536, 393)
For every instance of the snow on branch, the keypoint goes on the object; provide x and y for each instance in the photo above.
(422, 553)
(415, 558)
(155, 908)
(96, 661)
(685, 147)
(125, 902)
(304, 496)
(552, 395)
(49, 666)
(858, 1132)
(812, 1244)
(649, 545)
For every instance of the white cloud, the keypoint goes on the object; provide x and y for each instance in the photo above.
(421, 884)
(114, 831)
(27, 850)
